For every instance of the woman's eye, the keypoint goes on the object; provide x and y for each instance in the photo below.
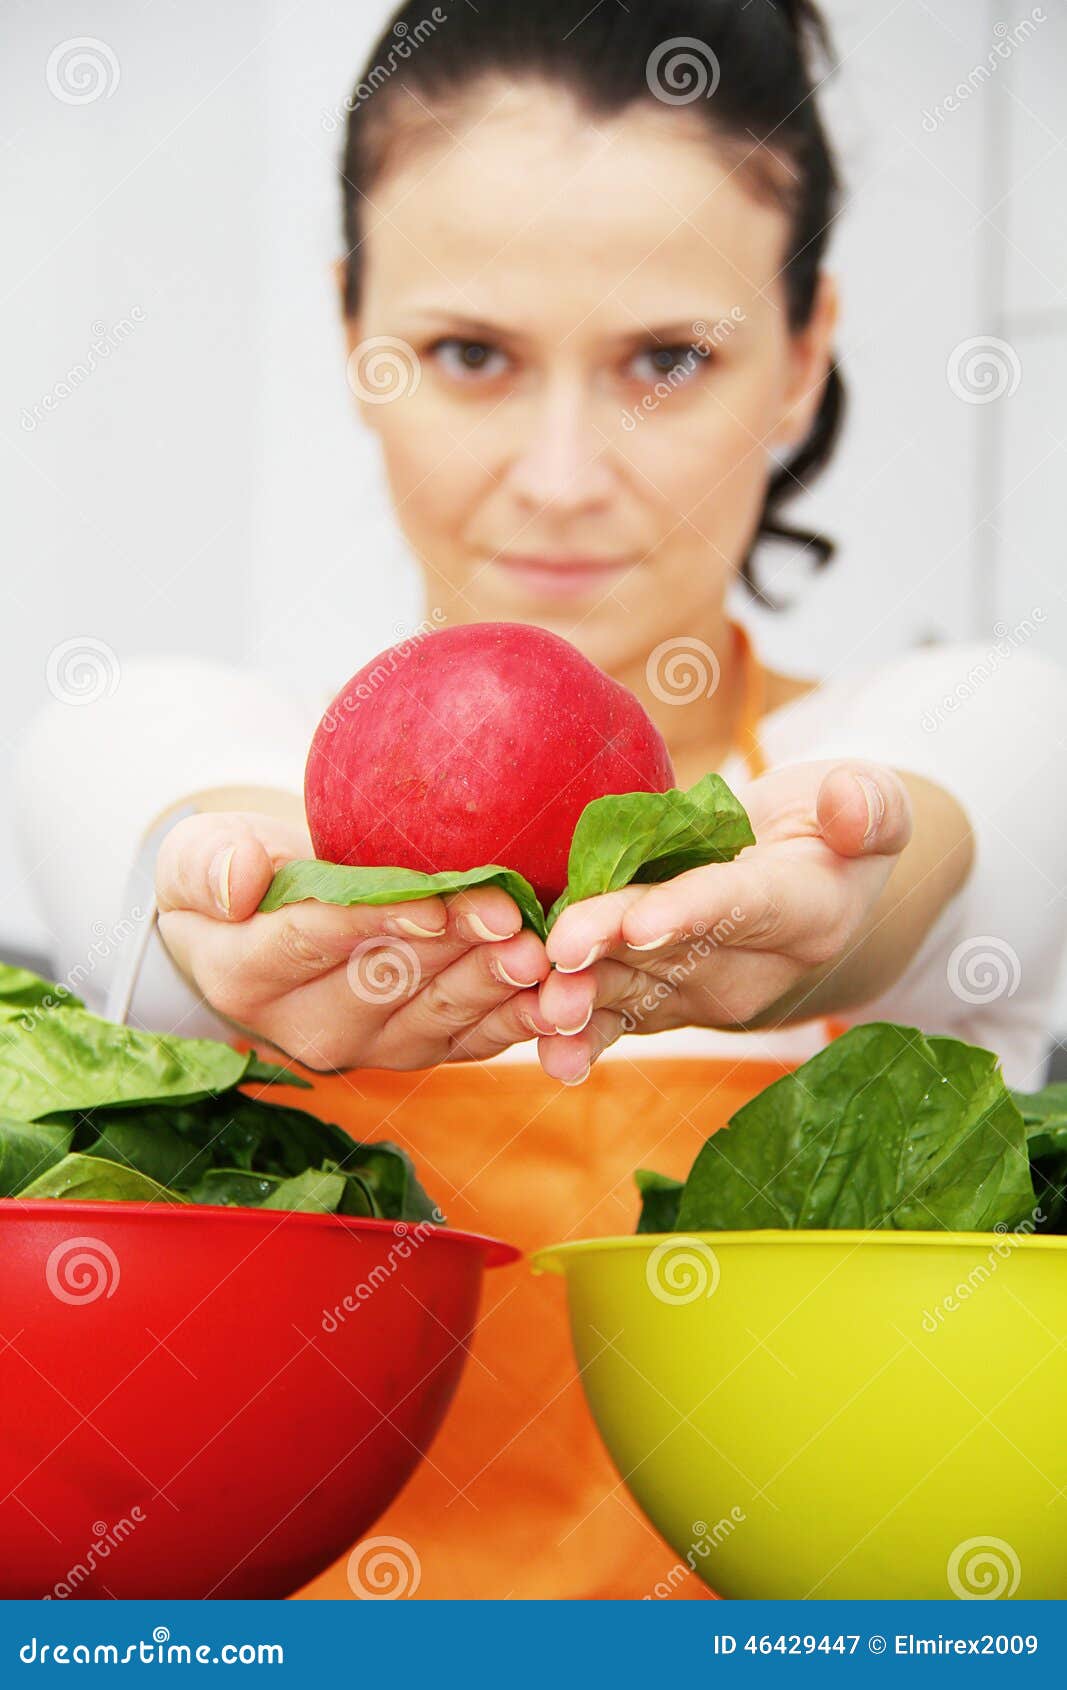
(468, 359)
(676, 364)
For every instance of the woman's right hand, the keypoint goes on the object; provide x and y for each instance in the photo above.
(401, 986)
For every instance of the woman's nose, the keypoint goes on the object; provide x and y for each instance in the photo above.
(562, 460)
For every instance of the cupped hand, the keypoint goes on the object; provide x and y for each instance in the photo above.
(400, 986)
(720, 946)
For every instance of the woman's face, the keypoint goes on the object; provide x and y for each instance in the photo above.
(603, 362)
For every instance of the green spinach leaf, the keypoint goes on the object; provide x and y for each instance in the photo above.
(71, 1059)
(333, 883)
(91, 1178)
(28, 1149)
(885, 1128)
(263, 1073)
(661, 1198)
(315, 1190)
(639, 837)
(21, 989)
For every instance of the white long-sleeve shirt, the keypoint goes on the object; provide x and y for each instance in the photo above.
(984, 725)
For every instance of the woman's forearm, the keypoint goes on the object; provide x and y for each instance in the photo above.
(931, 870)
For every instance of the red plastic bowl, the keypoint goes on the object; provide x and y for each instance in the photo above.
(191, 1408)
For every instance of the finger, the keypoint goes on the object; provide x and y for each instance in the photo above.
(483, 915)
(514, 1022)
(244, 963)
(863, 809)
(568, 1001)
(759, 901)
(570, 1060)
(588, 930)
(220, 864)
(448, 1006)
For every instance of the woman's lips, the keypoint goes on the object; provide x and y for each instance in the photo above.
(562, 578)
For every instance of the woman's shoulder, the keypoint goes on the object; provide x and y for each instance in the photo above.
(960, 688)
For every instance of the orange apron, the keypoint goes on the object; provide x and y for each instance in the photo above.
(517, 1496)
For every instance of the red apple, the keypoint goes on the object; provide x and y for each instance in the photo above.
(473, 745)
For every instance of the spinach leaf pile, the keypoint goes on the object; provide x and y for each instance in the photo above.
(89, 1109)
(885, 1128)
(620, 839)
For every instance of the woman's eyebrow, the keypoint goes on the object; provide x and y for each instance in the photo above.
(683, 329)
(476, 328)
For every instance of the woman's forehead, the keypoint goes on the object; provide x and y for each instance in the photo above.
(627, 218)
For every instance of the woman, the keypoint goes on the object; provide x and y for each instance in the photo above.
(601, 302)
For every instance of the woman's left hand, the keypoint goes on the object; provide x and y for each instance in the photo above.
(720, 946)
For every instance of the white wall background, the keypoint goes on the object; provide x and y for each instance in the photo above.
(207, 488)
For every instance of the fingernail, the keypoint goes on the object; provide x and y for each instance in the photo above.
(218, 878)
(569, 1032)
(579, 1079)
(505, 978)
(404, 924)
(654, 944)
(576, 968)
(481, 931)
(875, 802)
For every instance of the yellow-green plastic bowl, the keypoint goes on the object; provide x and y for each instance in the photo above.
(835, 1414)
